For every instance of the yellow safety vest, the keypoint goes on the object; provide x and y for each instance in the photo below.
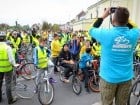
(36, 41)
(138, 50)
(15, 43)
(26, 38)
(42, 58)
(97, 49)
(5, 65)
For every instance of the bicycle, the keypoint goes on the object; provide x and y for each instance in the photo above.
(94, 78)
(76, 83)
(134, 94)
(23, 53)
(28, 70)
(45, 88)
(21, 86)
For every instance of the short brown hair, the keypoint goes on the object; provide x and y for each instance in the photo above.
(121, 15)
(42, 39)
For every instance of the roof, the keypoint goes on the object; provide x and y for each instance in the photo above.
(82, 13)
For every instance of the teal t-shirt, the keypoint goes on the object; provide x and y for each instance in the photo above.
(117, 43)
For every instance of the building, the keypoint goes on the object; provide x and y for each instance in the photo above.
(97, 9)
(66, 27)
(81, 22)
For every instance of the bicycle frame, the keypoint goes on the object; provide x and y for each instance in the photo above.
(46, 79)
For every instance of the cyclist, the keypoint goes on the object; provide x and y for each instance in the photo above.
(55, 50)
(6, 62)
(84, 66)
(87, 45)
(66, 61)
(15, 40)
(74, 46)
(26, 38)
(40, 57)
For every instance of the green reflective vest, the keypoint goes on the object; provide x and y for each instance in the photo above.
(97, 48)
(26, 38)
(42, 58)
(138, 50)
(35, 41)
(16, 42)
(5, 65)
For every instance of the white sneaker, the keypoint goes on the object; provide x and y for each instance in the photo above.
(66, 80)
(97, 103)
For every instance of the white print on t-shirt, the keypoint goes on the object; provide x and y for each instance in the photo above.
(121, 44)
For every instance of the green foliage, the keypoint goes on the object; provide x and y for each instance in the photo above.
(55, 28)
(4, 27)
(48, 26)
(45, 26)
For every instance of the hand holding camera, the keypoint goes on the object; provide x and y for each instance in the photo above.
(108, 11)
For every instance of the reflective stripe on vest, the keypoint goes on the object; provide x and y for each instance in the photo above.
(5, 65)
(42, 58)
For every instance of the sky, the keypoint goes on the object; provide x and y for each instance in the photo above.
(36, 11)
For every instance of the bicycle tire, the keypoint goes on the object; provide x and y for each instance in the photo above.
(76, 85)
(28, 71)
(61, 74)
(94, 84)
(136, 71)
(25, 89)
(49, 96)
(134, 94)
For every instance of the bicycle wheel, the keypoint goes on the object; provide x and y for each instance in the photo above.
(134, 95)
(61, 74)
(28, 71)
(136, 71)
(94, 83)
(45, 93)
(25, 89)
(76, 85)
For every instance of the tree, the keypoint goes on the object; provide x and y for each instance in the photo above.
(55, 28)
(4, 26)
(46, 26)
(26, 27)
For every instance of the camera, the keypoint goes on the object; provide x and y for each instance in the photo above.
(113, 9)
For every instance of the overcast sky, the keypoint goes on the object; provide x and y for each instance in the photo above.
(35, 11)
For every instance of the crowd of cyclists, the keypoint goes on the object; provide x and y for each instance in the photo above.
(63, 48)
(71, 50)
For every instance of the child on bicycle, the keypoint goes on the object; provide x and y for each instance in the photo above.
(85, 64)
(66, 61)
(40, 58)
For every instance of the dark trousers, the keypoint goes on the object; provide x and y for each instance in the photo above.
(8, 79)
(68, 69)
(86, 76)
(55, 61)
(75, 57)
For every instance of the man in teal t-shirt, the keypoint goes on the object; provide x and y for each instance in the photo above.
(118, 43)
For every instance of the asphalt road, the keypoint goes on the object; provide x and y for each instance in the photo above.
(63, 96)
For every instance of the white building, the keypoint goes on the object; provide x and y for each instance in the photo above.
(97, 9)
